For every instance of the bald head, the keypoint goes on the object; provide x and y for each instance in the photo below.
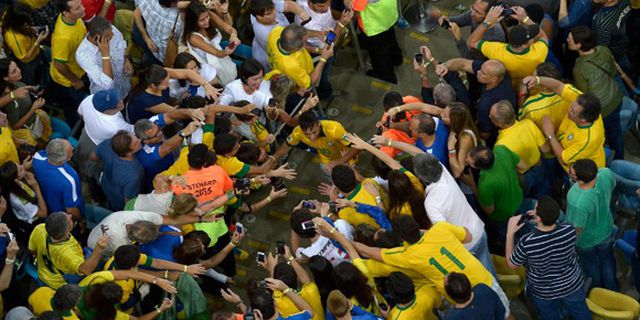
(495, 68)
(502, 114)
(291, 39)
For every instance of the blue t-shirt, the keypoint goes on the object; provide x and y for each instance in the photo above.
(485, 305)
(138, 105)
(149, 157)
(61, 186)
(298, 316)
(120, 178)
(162, 247)
(439, 146)
(504, 91)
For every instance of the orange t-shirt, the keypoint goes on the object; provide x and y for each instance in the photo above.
(205, 184)
(408, 114)
(395, 135)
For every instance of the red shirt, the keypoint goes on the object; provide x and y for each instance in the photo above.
(92, 7)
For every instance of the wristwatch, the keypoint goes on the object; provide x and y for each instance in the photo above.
(486, 24)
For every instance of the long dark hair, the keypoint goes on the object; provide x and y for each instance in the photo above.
(8, 176)
(102, 297)
(5, 64)
(461, 119)
(155, 74)
(180, 62)
(323, 276)
(353, 283)
(18, 19)
(191, 17)
(402, 191)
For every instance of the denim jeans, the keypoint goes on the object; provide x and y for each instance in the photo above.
(628, 181)
(481, 252)
(148, 55)
(575, 304)
(628, 114)
(537, 181)
(599, 264)
(69, 99)
(94, 215)
(613, 132)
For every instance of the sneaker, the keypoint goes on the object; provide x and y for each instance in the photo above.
(402, 23)
(240, 254)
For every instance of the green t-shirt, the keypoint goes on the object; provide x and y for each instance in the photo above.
(500, 185)
(589, 209)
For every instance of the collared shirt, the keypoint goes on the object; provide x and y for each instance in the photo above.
(523, 138)
(55, 259)
(89, 58)
(61, 186)
(159, 22)
(518, 64)
(582, 142)
(64, 42)
(297, 65)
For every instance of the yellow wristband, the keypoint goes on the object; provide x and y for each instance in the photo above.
(287, 290)
(166, 274)
(389, 143)
(269, 199)
(106, 58)
(323, 60)
(341, 25)
(332, 230)
(537, 81)
(184, 269)
(12, 96)
(525, 20)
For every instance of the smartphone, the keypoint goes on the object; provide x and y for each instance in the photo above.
(280, 247)
(273, 103)
(308, 204)
(239, 227)
(306, 225)
(308, 94)
(507, 11)
(35, 92)
(261, 257)
(524, 218)
(445, 24)
(11, 237)
(331, 36)
(231, 45)
(305, 22)
(419, 57)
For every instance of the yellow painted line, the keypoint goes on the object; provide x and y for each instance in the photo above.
(445, 13)
(299, 190)
(380, 85)
(406, 60)
(258, 245)
(360, 109)
(279, 215)
(241, 272)
(419, 36)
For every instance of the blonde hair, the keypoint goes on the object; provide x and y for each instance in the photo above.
(280, 87)
(337, 303)
(183, 204)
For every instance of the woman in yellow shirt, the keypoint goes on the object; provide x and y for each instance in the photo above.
(24, 42)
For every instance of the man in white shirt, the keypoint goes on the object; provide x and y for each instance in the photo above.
(102, 55)
(445, 202)
(323, 246)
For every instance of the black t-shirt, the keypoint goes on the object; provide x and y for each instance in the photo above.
(486, 305)
(504, 91)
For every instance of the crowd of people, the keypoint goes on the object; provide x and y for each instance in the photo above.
(134, 141)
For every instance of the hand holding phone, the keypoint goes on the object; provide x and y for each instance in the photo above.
(261, 257)
(331, 37)
(419, 57)
(445, 24)
(280, 247)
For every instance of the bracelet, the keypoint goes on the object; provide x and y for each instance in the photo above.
(106, 58)
(8, 261)
(287, 290)
(184, 269)
(389, 143)
(549, 137)
(269, 199)
(526, 19)
(452, 155)
(158, 310)
(155, 280)
(323, 60)
(341, 25)
(166, 274)
(486, 24)
(431, 60)
(233, 244)
(452, 151)
(537, 81)
(398, 109)
(12, 96)
(330, 215)
(332, 230)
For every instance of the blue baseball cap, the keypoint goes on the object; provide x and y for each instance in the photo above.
(105, 100)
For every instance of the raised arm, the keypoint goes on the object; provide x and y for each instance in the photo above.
(358, 143)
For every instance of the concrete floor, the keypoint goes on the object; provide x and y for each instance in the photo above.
(359, 103)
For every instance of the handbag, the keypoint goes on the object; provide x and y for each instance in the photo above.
(172, 45)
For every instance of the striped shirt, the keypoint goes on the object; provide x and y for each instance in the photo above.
(609, 24)
(550, 259)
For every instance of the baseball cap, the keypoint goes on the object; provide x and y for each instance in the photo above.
(105, 100)
(520, 34)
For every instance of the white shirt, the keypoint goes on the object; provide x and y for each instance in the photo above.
(207, 72)
(261, 34)
(319, 22)
(445, 202)
(235, 92)
(100, 126)
(154, 202)
(116, 222)
(23, 209)
(160, 22)
(324, 247)
(89, 58)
